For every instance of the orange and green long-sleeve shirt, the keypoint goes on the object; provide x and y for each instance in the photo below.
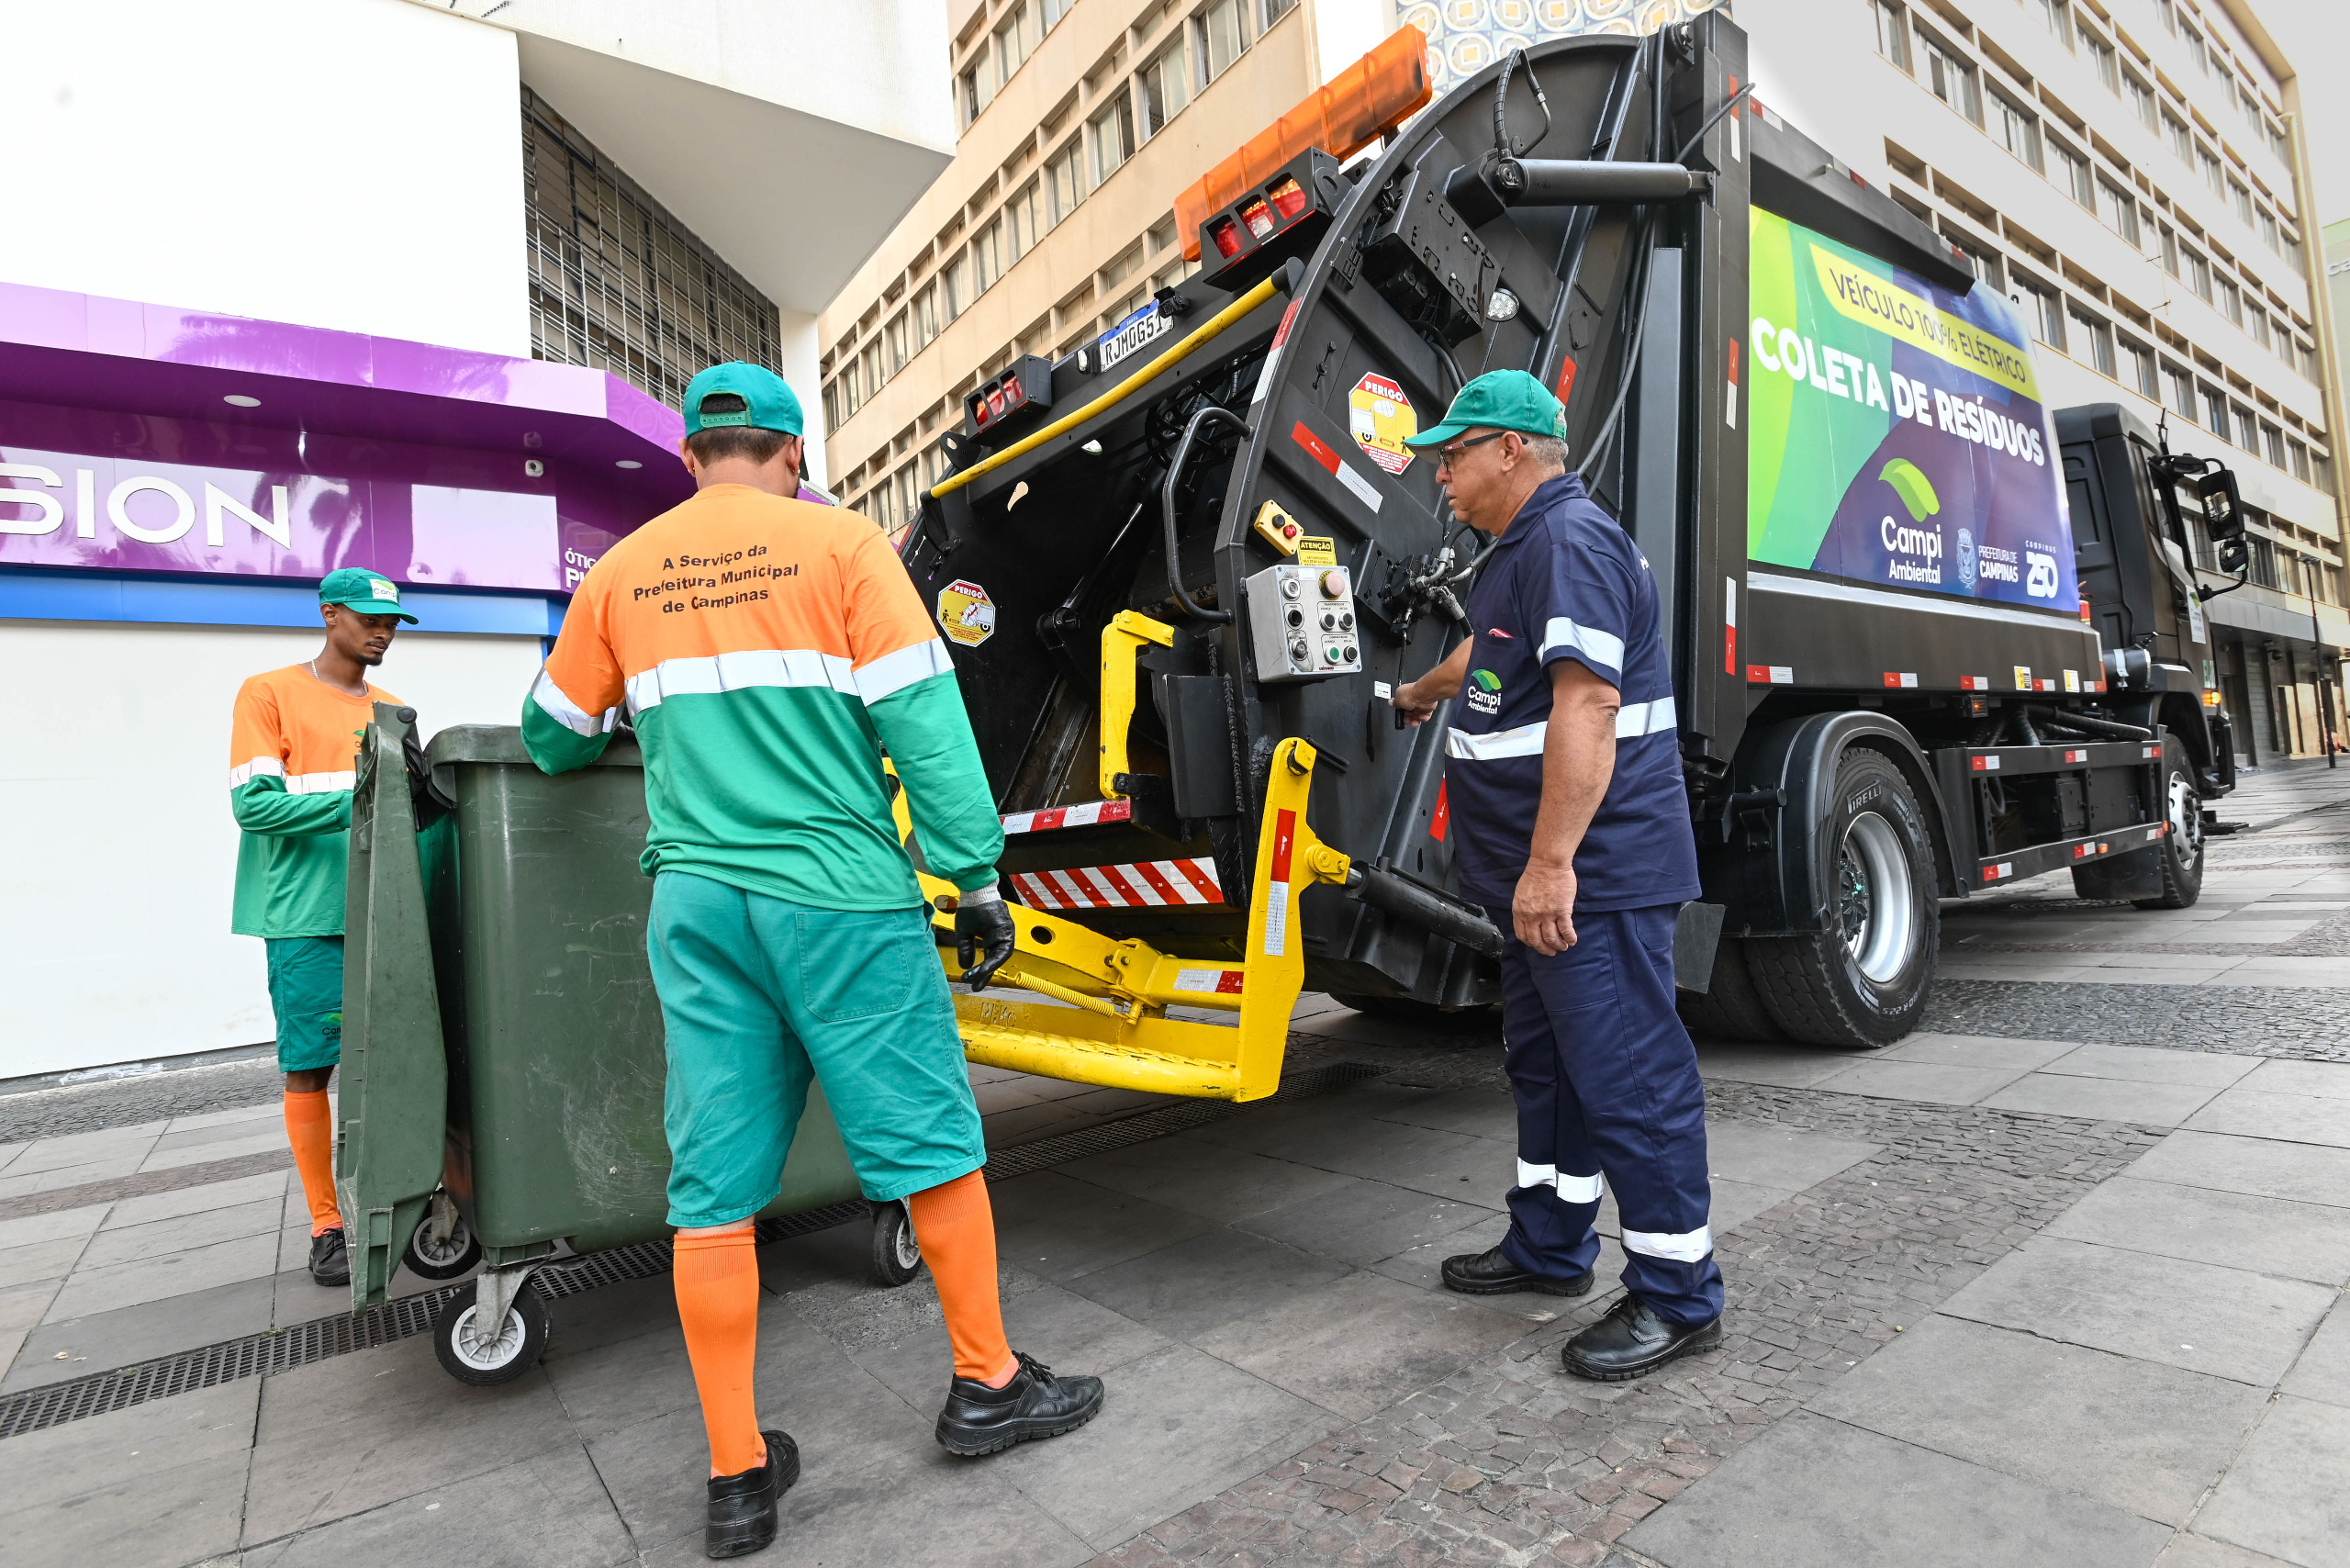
(767, 651)
(293, 762)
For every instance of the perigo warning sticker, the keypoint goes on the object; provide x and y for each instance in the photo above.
(966, 613)
(1381, 419)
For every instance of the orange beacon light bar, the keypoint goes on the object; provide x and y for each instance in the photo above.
(1362, 102)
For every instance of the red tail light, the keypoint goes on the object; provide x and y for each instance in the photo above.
(1228, 236)
(1289, 198)
(995, 402)
(1256, 216)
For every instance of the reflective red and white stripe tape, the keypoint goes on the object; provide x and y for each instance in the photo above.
(1086, 815)
(1142, 885)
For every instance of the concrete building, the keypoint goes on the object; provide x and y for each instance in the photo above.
(2135, 175)
(407, 285)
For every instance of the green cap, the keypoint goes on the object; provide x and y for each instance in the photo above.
(370, 593)
(767, 403)
(1501, 400)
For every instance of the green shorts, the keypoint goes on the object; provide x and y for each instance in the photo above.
(759, 996)
(306, 989)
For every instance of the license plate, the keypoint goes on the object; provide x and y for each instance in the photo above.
(1129, 337)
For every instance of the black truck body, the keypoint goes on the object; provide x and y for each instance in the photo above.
(1850, 760)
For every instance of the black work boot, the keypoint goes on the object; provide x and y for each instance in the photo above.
(1632, 1341)
(979, 1420)
(742, 1508)
(1491, 1274)
(329, 1258)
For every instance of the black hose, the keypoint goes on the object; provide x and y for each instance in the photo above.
(2091, 725)
(1209, 415)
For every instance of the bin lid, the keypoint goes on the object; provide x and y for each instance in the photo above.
(503, 743)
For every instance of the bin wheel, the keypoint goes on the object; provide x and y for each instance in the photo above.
(445, 1258)
(465, 1356)
(897, 1256)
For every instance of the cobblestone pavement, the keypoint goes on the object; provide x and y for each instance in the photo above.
(1508, 1460)
(2309, 1026)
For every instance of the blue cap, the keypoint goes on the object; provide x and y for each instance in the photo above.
(767, 403)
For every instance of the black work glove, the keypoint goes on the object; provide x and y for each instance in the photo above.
(984, 929)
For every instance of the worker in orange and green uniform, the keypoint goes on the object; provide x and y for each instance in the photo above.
(293, 760)
(767, 651)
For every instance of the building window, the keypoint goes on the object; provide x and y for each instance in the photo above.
(2169, 250)
(2208, 162)
(2138, 369)
(2272, 445)
(616, 282)
(2298, 459)
(1064, 180)
(2278, 147)
(987, 256)
(1054, 11)
(2182, 391)
(2215, 410)
(2199, 275)
(2073, 174)
(2266, 221)
(2101, 55)
(1222, 35)
(2240, 198)
(2290, 248)
(1892, 32)
(1113, 137)
(2092, 338)
(2247, 433)
(2040, 303)
(2230, 301)
(2257, 325)
(1012, 43)
(958, 284)
(852, 386)
(1024, 219)
(2016, 128)
(1987, 265)
(2142, 100)
(2193, 40)
(926, 316)
(1950, 78)
(1276, 9)
(1164, 89)
(2321, 472)
(2119, 210)
(2182, 141)
(894, 335)
(2056, 15)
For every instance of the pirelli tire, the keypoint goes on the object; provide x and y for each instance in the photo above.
(2181, 849)
(1863, 982)
(1729, 1008)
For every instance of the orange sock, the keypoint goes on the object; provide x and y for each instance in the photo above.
(309, 1128)
(957, 1230)
(717, 1277)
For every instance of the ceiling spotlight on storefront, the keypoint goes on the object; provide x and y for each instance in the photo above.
(239, 401)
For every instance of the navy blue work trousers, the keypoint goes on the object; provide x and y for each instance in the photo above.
(1606, 1086)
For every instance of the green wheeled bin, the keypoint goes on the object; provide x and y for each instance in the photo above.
(502, 1061)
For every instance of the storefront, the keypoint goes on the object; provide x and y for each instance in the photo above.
(172, 486)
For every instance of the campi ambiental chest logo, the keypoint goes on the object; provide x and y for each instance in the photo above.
(1485, 692)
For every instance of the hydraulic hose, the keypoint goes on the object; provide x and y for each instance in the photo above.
(1210, 415)
(2089, 723)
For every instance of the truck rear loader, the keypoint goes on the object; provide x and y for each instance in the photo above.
(1927, 639)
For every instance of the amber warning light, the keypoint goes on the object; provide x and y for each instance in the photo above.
(1365, 101)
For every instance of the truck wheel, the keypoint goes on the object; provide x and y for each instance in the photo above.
(897, 1256)
(1730, 1009)
(2181, 850)
(1862, 981)
(473, 1356)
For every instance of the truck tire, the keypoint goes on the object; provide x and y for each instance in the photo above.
(1730, 1009)
(1863, 982)
(2181, 850)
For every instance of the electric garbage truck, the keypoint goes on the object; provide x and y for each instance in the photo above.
(1929, 636)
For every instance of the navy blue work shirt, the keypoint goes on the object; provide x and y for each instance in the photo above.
(1565, 582)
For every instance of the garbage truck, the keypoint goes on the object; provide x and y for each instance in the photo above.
(1930, 638)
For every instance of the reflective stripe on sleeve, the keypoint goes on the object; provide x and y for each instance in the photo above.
(320, 783)
(1603, 648)
(744, 670)
(1686, 1247)
(893, 673)
(258, 768)
(1637, 718)
(556, 705)
(1524, 741)
(1571, 1187)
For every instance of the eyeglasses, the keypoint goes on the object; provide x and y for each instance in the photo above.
(1449, 454)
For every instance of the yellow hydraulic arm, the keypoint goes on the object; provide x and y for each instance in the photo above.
(1106, 1020)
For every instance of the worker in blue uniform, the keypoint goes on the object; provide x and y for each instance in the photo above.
(1572, 826)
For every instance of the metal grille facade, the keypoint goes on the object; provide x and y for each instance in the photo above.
(617, 283)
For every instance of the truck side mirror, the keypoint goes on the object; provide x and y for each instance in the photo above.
(2222, 504)
(2236, 553)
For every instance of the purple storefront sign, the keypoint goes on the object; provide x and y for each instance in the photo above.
(142, 439)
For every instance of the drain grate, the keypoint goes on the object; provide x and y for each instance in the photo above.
(283, 1350)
